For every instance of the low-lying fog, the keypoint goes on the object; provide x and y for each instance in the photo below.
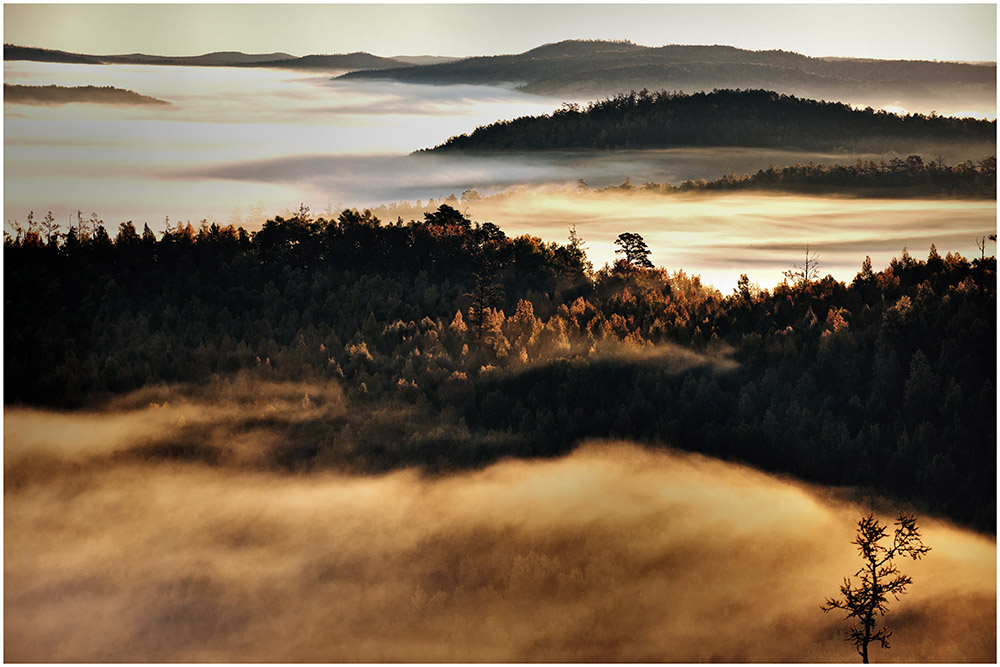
(240, 145)
(614, 553)
(143, 164)
(720, 237)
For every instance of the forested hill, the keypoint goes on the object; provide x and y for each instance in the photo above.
(341, 61)
(600, 68)
(895, 177)
(457, 346)
(14, 52)
(17, 94)
(755, 118)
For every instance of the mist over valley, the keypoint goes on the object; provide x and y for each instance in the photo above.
(613, 553)
(237, 146)
(539, 357)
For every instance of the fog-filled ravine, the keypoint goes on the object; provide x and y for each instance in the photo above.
(239, 145)
(117, 550)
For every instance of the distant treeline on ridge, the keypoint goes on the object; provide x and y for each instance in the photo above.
(18, 94)
(896, 177)
(596, 68)
(340, 61)
(750, 118)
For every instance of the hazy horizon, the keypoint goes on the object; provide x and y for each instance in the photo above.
(242, 145)
(394, 55)
(954, 32)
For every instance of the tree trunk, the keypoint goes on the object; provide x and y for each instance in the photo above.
(870, 616)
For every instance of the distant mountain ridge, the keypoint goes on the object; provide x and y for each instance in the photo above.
(340, 61)
(214, 58)
(600, 68)
(555, 64)
(348, 61)
(425, 60)
(590, 69)
(15, 52)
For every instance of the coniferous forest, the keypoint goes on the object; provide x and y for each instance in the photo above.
(760, 118)
(895, 178)
(501, 347)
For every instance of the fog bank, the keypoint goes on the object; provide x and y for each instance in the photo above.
(721, 236)
(142, 164)
(241, 145)
(614, 553)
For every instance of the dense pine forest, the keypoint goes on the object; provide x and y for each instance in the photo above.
(750, 118)
(457, 345)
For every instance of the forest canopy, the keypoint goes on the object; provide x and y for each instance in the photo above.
(511, 347)
(896, 177)
(751, 118)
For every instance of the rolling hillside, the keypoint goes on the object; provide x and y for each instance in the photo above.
(15, 94)
(757, 118)
(335, 62)
(595, 68)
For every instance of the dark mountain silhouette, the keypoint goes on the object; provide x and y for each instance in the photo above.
(597, 68)
(14, 52)
(215, 58)
(757, 118)
(16, 94)
(339, 61)
(349, 61)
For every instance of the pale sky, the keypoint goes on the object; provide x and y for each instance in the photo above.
(906, 31)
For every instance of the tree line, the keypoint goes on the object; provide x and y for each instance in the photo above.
(893, 178)
(752, 118)
(499, 346)
(17, 94)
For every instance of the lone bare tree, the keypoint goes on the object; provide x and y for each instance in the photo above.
(878, 578)
(805, 272)
(981, 244)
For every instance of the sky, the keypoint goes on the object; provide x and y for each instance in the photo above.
(965, 32)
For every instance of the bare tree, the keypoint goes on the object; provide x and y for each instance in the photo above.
(878, 578)
(805, 272)
(981, 244)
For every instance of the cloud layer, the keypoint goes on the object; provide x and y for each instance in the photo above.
(614, 553)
